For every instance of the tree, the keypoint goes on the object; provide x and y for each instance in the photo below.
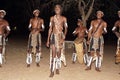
(85, 7)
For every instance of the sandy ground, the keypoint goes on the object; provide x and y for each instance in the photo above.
(15, 68)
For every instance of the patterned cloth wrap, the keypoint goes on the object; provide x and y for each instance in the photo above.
(117, 58)
(97, 45)
(34, 43)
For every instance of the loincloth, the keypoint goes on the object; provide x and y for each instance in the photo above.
(117, 58)
(81, 49)
(55, 40)
(2, 40)
(78, 40)
(85, 46)
(34, 42)
(96, 44)
(81, 41)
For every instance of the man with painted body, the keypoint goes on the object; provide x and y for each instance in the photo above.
(34, 43)
(96, 42)
(56, 38)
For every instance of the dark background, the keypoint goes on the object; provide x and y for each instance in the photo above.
(17, 17)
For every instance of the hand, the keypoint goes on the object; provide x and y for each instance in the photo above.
(48, 44)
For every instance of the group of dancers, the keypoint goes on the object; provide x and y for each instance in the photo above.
(88, 45)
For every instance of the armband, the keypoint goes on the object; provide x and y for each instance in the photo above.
(90, 28)
(105, 30)
(114, 28)
(8, 28)
(43, 27)
(29, 26)
(66, 25)
(50, 24)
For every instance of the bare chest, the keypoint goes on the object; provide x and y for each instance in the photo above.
(58, 25)
(98, 26)
(58, 21)
(36, 23)
(2, 25)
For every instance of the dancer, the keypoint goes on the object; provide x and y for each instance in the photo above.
(56, 38)
(115, 29)
(80, 43)
(95, 41)
(34, 43)
(4, 32)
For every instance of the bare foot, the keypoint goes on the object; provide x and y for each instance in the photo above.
(73, 62)
(37, 64)
(28, 65)
(51, 74)
(98, 69)
(57, 71)
(65, 65)
(88, 68)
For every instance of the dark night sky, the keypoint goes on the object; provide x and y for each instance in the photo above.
(16, 16)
